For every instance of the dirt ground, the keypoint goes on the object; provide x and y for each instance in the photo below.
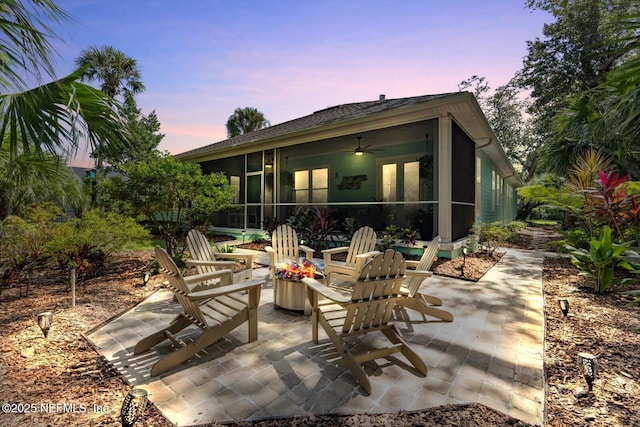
(61, 380)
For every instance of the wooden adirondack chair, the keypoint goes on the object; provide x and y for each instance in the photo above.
(368, 309)
(411, 297)
(216, 311)
(205, 260)
(285, 246)
(361, 248)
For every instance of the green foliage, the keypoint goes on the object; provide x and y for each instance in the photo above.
(225, 249)
(314, 226)
(388, 238)
(31, 178)
(143, 134)
(258, 238)
(506, 113)
(172, 196)
(493, 235)
(601, 260)
(23, 244)
(28, 244)
(350, 226)
(408, 236)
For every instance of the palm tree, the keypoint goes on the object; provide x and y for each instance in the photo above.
(244, 120)
(52, 117)
(118, 73)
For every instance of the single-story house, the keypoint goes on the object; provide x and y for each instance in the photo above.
(428, 162)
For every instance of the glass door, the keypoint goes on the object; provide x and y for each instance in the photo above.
(253, 207)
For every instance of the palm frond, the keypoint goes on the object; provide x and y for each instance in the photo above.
(57, 115)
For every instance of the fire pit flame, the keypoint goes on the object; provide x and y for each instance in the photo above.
(298, 271)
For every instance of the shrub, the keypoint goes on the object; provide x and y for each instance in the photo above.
(408, 236)
(258, 238)
(226, 249)
(314, 226)
(493, 235)
(388, 239)
(601, 260)
(85, 243)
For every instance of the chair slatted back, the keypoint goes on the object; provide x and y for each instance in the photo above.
(199, 247)
(429, 255)
(284, 241)
(375, 293)
(363, 241)
(179, 287)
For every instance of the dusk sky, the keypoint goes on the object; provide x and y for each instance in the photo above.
(201, 59)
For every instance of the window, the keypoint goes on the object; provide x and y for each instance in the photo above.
(312, 186)
(235, 182)
(493, 190)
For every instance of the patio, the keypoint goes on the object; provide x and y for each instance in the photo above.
(491, 354)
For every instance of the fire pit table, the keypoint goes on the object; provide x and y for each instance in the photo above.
(289, 291)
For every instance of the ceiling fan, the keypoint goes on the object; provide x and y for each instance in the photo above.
(360, 150)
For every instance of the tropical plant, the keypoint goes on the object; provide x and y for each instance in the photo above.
(602, 258)
(493, 236)
(55, 116)
(315, 226)
(389, 237)
(408, 236)
(244, 120)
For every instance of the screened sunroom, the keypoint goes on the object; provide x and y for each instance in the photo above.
(417, 162)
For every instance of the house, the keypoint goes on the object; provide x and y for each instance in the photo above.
(428, 162)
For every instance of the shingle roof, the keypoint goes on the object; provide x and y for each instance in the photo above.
(318, 118)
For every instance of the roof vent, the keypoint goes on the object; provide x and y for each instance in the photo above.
(381, 98)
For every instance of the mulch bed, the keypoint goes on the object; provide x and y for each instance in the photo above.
(65, 369)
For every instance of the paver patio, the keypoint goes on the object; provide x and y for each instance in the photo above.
(492, 354)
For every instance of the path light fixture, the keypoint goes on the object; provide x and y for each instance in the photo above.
(243, 233)
(133, 407)
(564, 307)
(145, 278)
(588, 365)
(44, 321)
(464, 260)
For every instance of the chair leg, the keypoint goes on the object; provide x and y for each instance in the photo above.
(393, 336)
(349, 360)
(254, 301)
(177, 324)
(172, 360)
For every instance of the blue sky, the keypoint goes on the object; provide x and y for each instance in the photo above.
(201, 59)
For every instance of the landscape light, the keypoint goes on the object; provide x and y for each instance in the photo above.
(564, 307)
(44, 321)
(133, 406)
(588, 365)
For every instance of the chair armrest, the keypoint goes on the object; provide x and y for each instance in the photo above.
(269, 249)
(414, 263)
(224, 290)
(325, 291)
(233, 255)
(335, 250)
(223, 264)
(204, 277)
(368, 254)
(307, 250)
(418, 273)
